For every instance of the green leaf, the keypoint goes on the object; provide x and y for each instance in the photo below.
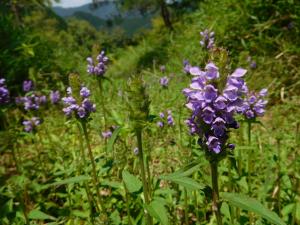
(113, 139)
(39, 215)
(186, 182)
(158, 211)
(185, 171)
(79, 213)
(132, 183)
(71, 180)
(115, 218)
(250, 204)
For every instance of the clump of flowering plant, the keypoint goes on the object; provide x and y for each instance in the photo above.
(82, 107)
(4, 92)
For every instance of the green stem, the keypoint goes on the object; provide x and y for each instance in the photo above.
(102, 102)
(128, 205)
(215, 190)
(278, 176)
(250, 160)
(90, 197)
(94, 173)
(143, 173)
(186, 210)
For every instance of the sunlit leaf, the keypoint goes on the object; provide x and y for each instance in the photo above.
(132, 183)
(39, 215)
(250, 204)
(157, 210)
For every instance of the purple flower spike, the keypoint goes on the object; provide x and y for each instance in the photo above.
(81, 109)
(207, 40)
(213, 111)
(27, 85)
(54, 97)
(30, 125)
(97, 68)
(4, 92)
(164, 81)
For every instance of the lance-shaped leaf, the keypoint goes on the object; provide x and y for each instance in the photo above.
(157, 210)
(250, 204)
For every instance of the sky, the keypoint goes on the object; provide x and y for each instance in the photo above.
(71, 3)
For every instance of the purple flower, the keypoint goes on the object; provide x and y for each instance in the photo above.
(88, 105)
(214, 144)
(106, 134)
(27, 85)
(136, 151)
(210, 93)
(169, 120)
(80, 109)
(30, 125)
(97, 68)
(54, 97)
(4, 92)
(164, 81)
(208, 115)
(160, 124)
(84, 92)
(254, 104)
(207, 40)
(32, 101)
(186, 66)
(212, 72)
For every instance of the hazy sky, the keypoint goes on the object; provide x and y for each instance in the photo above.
(71, 3)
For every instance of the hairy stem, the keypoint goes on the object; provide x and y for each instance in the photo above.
(94, 173)
(215, 189)
(143, 173)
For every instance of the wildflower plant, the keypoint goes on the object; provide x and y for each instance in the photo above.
(78, 105)
(138, 106)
